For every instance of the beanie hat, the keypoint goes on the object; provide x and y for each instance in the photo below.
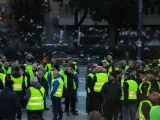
(34, 79)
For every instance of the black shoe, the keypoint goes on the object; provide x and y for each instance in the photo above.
(75, 113)
(46, 108)
(54, 119)
(68, 114)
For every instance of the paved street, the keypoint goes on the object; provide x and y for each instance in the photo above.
(81, 106)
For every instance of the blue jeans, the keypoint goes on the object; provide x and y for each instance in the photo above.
(57, 107)
(129, 111)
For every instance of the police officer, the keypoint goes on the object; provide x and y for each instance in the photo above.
(146, 105)
(35, 99)
(56, 94)
(98, 81)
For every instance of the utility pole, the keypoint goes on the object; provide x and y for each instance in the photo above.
(139, 44)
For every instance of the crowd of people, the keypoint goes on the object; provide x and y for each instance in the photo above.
(116, 90)
(124, 91)
(26, 86)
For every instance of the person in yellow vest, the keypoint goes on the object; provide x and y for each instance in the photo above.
(2, 78)
(28, 66)
(146, 105)
(24, 74)
(35, 99)
(19, 84)
(56, 94)
(44, 83)
(70, 90)
(32, 72)
(130, 90)
(88, 87)
(145, 86)
(96, 85)
(7, 69)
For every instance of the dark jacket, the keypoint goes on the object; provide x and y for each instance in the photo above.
(44, 83)
(111, 91)
(126, 93)
(88, 82)
(9, 103)
(146, 109)
(69, 91)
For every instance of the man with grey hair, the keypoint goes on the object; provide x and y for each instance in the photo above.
(35, 99)
(94, 115)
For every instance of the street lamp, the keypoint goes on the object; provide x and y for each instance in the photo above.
(139, 42)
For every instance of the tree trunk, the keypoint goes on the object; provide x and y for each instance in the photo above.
(113, 34)
(78, 23)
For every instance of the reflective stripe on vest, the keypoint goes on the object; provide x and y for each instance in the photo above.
(59, 91)
(132, 90)
(92, 76)
(149, 87)
(101, 79)
(65, 82)
(17, 86)
(141, 116)
(36, 101)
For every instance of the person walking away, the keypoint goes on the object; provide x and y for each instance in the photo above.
(111, 92)
(70, 90)
(35, 99)
(130, 89)
(96, 85)
(146, 105)
(56, 94)
(19, 84)
(10, 107)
